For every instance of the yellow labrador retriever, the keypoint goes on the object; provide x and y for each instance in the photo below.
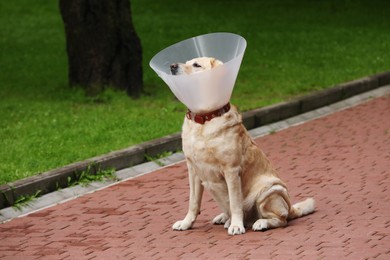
(223, 158)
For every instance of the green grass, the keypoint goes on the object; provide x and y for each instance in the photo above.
(23, 201)
(294, 47)
(84, 178)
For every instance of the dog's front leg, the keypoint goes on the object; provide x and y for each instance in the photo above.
(233, 181)
(196, 192)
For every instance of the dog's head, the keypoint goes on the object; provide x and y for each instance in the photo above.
(195, 65)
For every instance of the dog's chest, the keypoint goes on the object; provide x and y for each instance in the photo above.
(205, 161)
(201, 150)
(204, 151)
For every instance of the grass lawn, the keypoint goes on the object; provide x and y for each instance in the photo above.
(294, 47)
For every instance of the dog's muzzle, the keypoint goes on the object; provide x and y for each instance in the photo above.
(174, 68)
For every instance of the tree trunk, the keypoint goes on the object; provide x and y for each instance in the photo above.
(102, 45)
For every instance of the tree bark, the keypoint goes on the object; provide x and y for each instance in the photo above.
(102, 45)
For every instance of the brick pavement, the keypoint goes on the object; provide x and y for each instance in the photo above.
(342, 160)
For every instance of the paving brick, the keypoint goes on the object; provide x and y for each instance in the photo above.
(342, 160)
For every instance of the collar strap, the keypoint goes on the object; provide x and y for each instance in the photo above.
(203, 118)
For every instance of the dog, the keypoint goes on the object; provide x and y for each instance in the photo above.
(223, 158)
(195, 66)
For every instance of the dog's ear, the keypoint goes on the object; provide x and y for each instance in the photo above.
(215, 62)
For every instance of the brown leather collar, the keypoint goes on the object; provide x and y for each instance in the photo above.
(203, 118)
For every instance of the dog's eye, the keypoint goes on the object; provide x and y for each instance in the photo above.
(196, 65)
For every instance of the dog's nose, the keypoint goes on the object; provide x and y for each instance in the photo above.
(174, 68)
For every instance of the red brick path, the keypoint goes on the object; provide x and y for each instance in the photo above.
(341, 160)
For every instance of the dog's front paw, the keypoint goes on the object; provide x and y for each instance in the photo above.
(236, 229)
(221, 219)
(182, 225)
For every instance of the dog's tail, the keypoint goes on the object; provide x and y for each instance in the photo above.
(302, 208)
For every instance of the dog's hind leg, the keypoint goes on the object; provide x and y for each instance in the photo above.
(273, 212)
(220, 194)
(221, 219)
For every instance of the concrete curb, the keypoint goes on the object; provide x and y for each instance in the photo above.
(64, 195)
(53, 180)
